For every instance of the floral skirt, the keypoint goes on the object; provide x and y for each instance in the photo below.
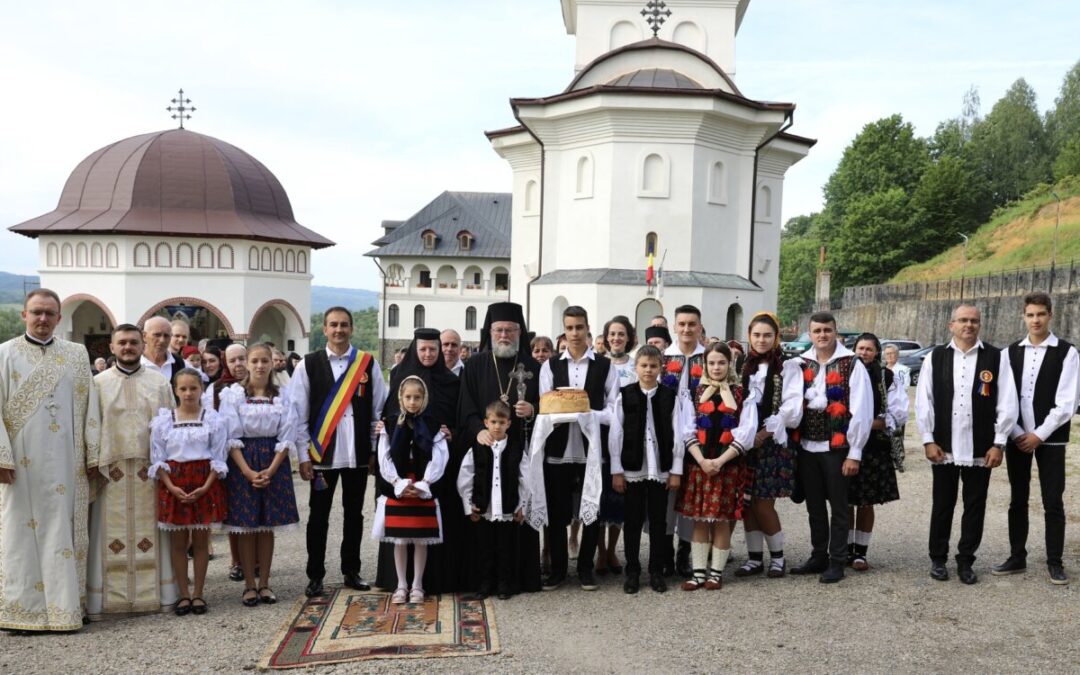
(711, 498)
(876, 481)
(265, 509)
(208, 510)
(773, 469)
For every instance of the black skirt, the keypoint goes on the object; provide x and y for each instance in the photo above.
(876, 481)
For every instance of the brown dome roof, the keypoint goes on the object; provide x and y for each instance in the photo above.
(176, 183)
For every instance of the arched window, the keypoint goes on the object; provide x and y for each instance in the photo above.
(266, 260)
(430, 239)
(532, 196)
(112, 256)
(95, 255)
(279, 260)
(718, 183)
(290, 260)
(301, 262)
(583, 178)
(690, 34)
(654, 176)
(67, 255)
(465, 240)
(163, 255)
(392, 317)
(470, 318)
(622, 34)
(52, 255)
(253, 258)
(81, 255)
(142, 255)
(184, 256)
(206, 256)
(764, 204)
(225, 257)
(418, 316)
(650, 244)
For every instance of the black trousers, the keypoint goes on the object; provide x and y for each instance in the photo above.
(497, 544)
(353, 486)
(646, 498)
(1051, 459)
(947, 479)
(824, 482)
(560, 483)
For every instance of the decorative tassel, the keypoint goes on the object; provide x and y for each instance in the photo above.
(984, 389)
(834, 378)
(726, 438)
(835, 393)
(674, 366)
(701, 437)
(728, 422)
(836, 409)
(707, 408)
(704, 422)
(838, 440)
(807, 375)
(670, 381)
(694, 383)
(696, 370)
(725, 409)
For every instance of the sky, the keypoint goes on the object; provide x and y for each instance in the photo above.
(367, 110)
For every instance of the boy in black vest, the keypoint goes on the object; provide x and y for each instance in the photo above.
(565, 451)
(965, 406)
(492, 486)
(649, 435)
(1045, 371)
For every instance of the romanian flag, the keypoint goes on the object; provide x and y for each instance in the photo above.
(337, 401)
(650, 273)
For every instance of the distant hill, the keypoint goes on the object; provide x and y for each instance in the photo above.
(12, 291)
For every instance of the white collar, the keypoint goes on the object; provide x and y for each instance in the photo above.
(343, 356)
(649, 392)
(498, 446)
(589, 354)
(840, 352)
(1050, 341)
(952, 345)
(41, 343)
(673, 350)
(147, 362)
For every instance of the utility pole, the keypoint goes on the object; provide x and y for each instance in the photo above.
(963, 270)
(1053, 252)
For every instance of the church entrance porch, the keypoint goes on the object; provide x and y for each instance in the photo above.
(86, 320)
(203, 319)
(278, 322)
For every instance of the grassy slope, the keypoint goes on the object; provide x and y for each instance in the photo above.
(1017, 236)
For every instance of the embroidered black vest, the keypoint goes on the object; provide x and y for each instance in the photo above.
(1046, 383)
(983, 407)
(595, 381)
(509, 466)
(816, 425)
(321, 381)
(634, 406)
(687, 366)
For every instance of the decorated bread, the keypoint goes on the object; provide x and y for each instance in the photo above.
(564, 401)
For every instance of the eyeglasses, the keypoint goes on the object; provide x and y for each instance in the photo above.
(505, 331)
(47, 313)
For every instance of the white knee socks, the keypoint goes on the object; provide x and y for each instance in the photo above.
(418, 565)
(401, 558)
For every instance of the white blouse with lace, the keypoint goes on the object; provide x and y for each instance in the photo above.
(188, 441)
(257, 417)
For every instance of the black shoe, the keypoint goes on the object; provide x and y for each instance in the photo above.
(252, 601)
(236, 573)
(632, 584)
(938, 571)
(748, 569)
(479, 596)
(199, 609)
(657, 583)
(1012, 565)
(832, 575)
(682, 561)
(314, 588)
(355, 581)
(811, 566)
(553, 582)
(966, 574)
(505, 595)
(588, 580)
(1057, 575)
(669, 569)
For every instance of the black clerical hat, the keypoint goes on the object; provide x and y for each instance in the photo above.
(658, 331)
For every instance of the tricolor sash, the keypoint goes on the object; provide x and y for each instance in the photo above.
(337, 401)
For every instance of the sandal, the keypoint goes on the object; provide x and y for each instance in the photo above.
(777, 569)
(400, 597)
(199, 609)
(695, 582)
(236, 573)
(183, 607)
(416, 596)
(750, 568)
(252, 601)
(860, 564)
(266, 596)
(715, 581)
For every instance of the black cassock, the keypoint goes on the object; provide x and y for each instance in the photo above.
(480, 386)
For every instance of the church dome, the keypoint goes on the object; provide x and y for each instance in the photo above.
(174, 183)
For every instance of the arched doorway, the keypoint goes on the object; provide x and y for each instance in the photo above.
(204, 320)
(734, 327)
(88, 321)
(277, 321)
(646, 310)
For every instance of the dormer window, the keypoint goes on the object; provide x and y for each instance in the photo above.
(465, 240)
(430, 239)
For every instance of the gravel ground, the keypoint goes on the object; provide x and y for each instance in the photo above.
(892, 618)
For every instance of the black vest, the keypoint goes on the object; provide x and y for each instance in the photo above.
(509, 467)
(983, 408)
(1046, 384)
(595, 387)
(321, 381)
(634, 407)
(408, 459)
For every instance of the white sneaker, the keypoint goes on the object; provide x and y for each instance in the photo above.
(400, 597)
(416, 595)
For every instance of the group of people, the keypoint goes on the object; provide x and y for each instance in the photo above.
(110, 483)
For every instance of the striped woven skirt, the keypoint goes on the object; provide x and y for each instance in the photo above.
(412, 520)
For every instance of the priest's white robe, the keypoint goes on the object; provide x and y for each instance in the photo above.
(50, 439)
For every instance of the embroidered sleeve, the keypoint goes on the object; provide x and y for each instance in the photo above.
(615, 437)
(286, 436)
(440, 455)
(465, 482)
(159, 437)
(219, 441)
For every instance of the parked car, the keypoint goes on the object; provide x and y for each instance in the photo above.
(914, 361)
(802, 343)
(906, 347)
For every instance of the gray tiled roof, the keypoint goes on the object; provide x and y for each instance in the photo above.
(485, 214)
(621, 277)
(661, 78)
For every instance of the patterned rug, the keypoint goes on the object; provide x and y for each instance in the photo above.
(347, 625)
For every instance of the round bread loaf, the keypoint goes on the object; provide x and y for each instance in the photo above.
(564, 401)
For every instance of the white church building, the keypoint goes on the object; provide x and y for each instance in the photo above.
(177, 224)
(651, 148)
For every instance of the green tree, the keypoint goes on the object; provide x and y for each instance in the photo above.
(11, 323)
(1068, 160)
(1008, 150)
(952, 135)
(365, 331)
(874, 240)
(1063, 120)
(948, 200)
(798, 275)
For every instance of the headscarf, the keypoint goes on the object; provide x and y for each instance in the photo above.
(440, 384)
(713, 387)
(412, 436)
(227, 378)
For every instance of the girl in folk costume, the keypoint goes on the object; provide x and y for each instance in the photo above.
(260, 486)
(876, 481)
(187, 455)
(771, 462)
(411, 458)
(712, 494)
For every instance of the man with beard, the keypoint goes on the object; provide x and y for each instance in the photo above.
(129, 568)
(488, 376)
(447, 568)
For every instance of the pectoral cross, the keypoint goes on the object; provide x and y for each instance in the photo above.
(520, 374)
(51, 406)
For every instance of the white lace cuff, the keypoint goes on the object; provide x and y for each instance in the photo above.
(220, 468)
(157, 466)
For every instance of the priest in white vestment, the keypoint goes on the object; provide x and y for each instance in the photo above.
(129, 568)
(48, 443)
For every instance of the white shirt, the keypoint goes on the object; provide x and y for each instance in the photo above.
(1064, 397)
(494, 512)
(299, 394)
(860, 399)
(188, 441)
(258, 417)
(458, 367)
(682, 424)
(684, 375)
(963, 451)
(625, 371)
(166, 369)
(576, 372)
(897, 405)
(790, 413)
(433, 472)
(901, 374)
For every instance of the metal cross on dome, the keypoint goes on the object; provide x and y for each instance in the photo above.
(655, 13)
(181, 108)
